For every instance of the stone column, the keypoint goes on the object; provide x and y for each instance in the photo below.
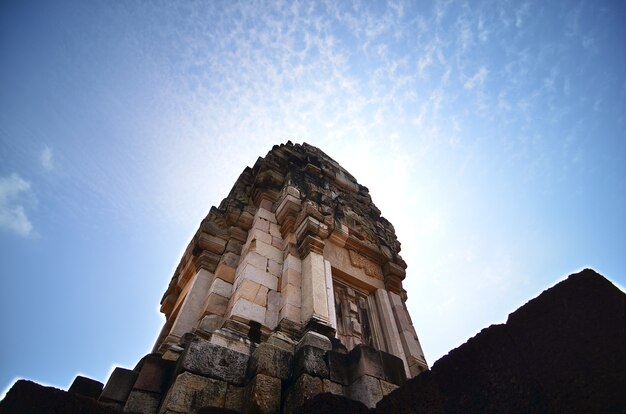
(412, 349)
(315, 315)
(330, 294)
(389, 327)
(192, 306)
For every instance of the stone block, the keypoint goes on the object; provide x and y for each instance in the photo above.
(235, 246)
(303, 389)
(155, 374)
(270, 360)
(226, 267)
(332, 387)
(275, 268)
(262, 225)
(237, 234)
(266, 204)
(256, 260)
(291, 277)
(291, 313)
(221, 288)
(260, 235)
(387, 387)
(262, 395)
(234, 398)
(246, 289)
(258, 275)
(338, 367)
(364, 360)
(212, 243)
(245, 220)
(234, 342)
(86, 387)
(227, 274)
(292, 262)
(402, 319)
(275, 230)
(266, 250)
(278, 243)
(216, 304)
(393, 368)
(292, 295)
(264, 214)
(410, 344)
(190, 392)
(310, 360)
(273, 306)
(172, 353)
(315, 339)
(365, 389)
(118, 386)
(205, 358)
(282, 341)
(211, 323)
(244, 311)
(261, 296)
(142, 402)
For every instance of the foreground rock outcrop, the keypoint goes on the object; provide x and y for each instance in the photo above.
(562, 352)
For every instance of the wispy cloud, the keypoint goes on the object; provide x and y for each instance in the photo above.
(477, 80)
(46, 159)
(14, 190)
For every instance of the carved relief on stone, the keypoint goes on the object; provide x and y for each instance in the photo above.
(370, 268)
(354, 316)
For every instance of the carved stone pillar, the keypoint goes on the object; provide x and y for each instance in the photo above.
(192, 306)
(315, 312)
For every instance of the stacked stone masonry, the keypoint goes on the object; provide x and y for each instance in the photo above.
(290, 288)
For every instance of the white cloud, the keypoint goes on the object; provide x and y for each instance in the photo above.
(477, 80)
(46, 158)
(13, 217)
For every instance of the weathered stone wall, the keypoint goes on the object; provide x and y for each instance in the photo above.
(264, 261)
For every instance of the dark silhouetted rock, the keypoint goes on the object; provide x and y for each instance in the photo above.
(26, 397)
(86, 386)
(562, 352)
(327, 403)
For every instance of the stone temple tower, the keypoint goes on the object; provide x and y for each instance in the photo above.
(290, 288)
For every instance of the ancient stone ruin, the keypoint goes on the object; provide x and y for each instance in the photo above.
(290, 288)
(289, 300)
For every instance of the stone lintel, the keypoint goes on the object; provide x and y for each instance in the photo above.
(369, 250)
(340, 235)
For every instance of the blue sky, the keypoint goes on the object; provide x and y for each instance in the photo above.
(492, 134)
